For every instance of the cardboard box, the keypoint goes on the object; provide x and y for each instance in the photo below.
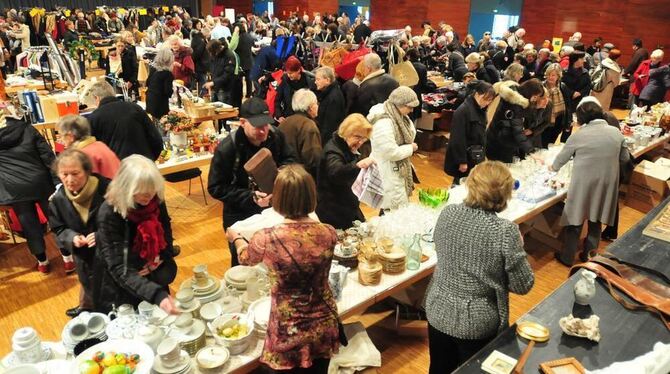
(648, 185)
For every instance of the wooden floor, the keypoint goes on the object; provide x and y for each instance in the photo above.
(28, 298)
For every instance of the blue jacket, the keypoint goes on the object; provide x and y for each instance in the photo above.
(266, 59)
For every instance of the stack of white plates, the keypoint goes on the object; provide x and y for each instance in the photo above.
(183, 367)
(69, 342)
(261, 311)
(206, 293)
(237, 276)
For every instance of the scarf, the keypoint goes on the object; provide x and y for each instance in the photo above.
(82, 200)
(149, 239)
(403, 135)
(83, 143)
(556, 98)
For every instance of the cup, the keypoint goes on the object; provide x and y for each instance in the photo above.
(25, 337)
(200, 274)
(184, 323)
(253, 288)
(95, 324)
(78, 331)
(185, 298)
(169, 352)
(347, 250)
(146, 311)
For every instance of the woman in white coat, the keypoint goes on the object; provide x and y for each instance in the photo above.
(393, 145)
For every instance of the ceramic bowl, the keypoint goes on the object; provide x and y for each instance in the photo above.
(235, 346)
(210, 311)
(212, 357)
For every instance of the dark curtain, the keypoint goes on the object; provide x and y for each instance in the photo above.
(92, 4)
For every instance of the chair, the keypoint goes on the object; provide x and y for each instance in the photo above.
(187, 174)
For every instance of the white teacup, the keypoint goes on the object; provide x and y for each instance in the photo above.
(78, 331)
(25, 337)
(184, 323)
(27, 346)
(185, 298)
(169, 352)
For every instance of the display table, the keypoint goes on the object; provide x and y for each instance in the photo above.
(624, 334)
(183, 163)
(656, 143)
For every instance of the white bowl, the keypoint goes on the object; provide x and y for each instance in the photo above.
(212, 357)
(210, 311)
(235, 346)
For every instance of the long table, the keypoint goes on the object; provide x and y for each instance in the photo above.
(624, 334)
(176, 165)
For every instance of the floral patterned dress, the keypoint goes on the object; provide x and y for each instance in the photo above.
(301, 327)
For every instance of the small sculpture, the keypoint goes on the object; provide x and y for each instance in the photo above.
(583, 328)
(585, 288)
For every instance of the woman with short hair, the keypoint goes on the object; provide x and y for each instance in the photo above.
(657, 79)
(467, 302)
(341, 162)
(129, 64)
(134, 239)
(598, 149)
(475, 63)
(75, 133)
(159, 83)
(302, 330)
(73, 213)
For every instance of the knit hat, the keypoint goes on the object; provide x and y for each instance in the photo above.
(589, 99)
(608, 46)
(293, 64)
(404, 96)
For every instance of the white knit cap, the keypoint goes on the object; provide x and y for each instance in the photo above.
(404, 96)
(589, 99)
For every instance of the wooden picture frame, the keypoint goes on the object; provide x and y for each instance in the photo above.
(568, 365)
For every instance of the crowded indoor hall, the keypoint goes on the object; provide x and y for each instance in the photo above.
(334, 186)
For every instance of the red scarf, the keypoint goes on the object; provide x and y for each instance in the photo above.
(149, 239)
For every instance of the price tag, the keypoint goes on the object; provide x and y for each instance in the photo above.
(67, 12)
(142, 12)
(166, 9)
(97, 12)
(34, 11)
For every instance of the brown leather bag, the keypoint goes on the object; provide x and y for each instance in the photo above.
(262, 170)
(652, 296)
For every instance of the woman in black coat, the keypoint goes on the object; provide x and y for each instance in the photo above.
(129, 65)
(505, 136)
(468, 132)
(424, 86)
(659, 82)
(226, 84)
(577, 80)
(332, 108)
(73, 213)
(200, 55)
(493, 72)
(134, 259)
(26, 180)
(340, 164)
(159, 83)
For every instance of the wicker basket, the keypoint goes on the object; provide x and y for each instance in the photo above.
(198, 110)
(369, 274)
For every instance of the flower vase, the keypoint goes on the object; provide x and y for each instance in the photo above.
(178, 140)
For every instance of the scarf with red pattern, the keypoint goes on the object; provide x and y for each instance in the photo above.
(149, 239)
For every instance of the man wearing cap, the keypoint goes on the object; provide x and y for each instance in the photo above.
(228, 181)
(294, 78)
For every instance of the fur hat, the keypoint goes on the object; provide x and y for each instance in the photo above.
(404, 96)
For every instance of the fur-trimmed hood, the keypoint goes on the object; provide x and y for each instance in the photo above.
(508, 91)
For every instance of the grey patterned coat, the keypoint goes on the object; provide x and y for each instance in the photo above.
(594, 185)
(480, 259)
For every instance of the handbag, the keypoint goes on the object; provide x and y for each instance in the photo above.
(403, 72)
(262, 170)
(340, 327)
(475, 154)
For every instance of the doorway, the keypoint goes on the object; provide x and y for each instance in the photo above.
(355, 7)
(494, 16)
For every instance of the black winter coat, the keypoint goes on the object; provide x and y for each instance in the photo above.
(457, 66)
(244, 51)
(222, 68)
(504, 136)
(116, 280)
(337, 205)
(332, 110)
(482, 74)
(229, 182)
(200, 55)
(373, 91)
(659, 82)
(422, 87)
(285, 90)
(350, 92)
(502, 59)
(538, 120)
(159, 91)
(576, 80)
(25, 162)
(129, 65)
(126, 129)
(493, 72)
(468, 128)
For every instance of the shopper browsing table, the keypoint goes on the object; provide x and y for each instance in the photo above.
(228, 181)
(73, 217)
(159, 83)
(134, 239)
(302, 330)
(340, 164)
(75, 132)
(480, 259)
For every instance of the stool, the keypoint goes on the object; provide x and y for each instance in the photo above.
(188, 174)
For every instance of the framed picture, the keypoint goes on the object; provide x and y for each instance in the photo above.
(568, 365)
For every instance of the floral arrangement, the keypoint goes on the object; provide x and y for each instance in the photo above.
(86, 45)
(176, 122)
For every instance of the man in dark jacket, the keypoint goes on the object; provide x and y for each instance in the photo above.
(361, 32)
(293, 79)
(332, 108)
(375, 87)
(457, 66)
(125, 127)
(639, 55)
(228, 181)
(423, 87)
(200, 55)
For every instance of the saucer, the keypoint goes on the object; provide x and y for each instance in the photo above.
(184, 363)
(192, 308)
(208, 287)
(239, 274)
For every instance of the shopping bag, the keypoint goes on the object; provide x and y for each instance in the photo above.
(403, 72)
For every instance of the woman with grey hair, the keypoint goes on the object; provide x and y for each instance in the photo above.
(301, 132)
(159, 83)
(514, 72)
(75, 132)
(332, 108)
(135, 260)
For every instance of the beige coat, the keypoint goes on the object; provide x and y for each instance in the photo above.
(24, 36)
(613, 76)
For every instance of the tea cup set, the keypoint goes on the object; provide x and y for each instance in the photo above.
(186, 301)
(27, 348)
(171, 359)
(189, 332)
(87, 325)
(205, 287)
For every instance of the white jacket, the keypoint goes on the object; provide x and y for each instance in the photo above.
(385, 152)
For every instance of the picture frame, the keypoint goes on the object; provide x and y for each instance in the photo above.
(569, 365)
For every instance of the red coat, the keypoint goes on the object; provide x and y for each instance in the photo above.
(104, 160)
(565, 62)
(187, 68)
(639, 82)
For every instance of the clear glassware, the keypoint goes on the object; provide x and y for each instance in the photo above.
(414, 253)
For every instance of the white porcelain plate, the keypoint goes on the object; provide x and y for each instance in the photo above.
(120, 346)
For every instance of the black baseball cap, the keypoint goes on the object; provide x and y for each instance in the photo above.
(256, 111)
